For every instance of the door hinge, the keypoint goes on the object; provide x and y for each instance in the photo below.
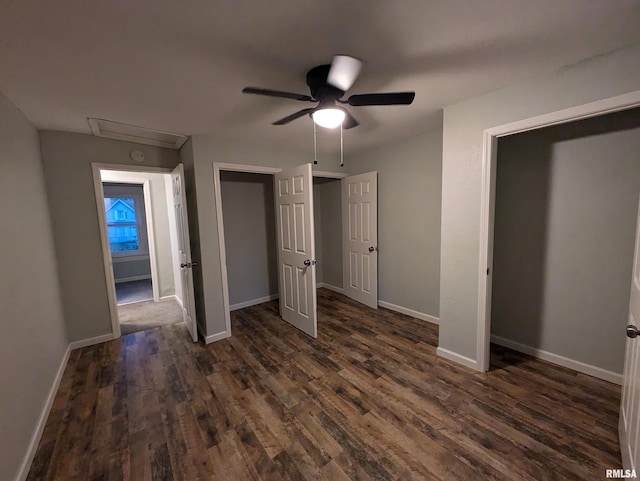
(487, 271)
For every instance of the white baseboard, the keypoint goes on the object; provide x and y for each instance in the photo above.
(216, 337)
(459, 358)
(179, 301)
(42, 420)
(559, 360)
(409, 312)
(330, 287)
(213, 337)
(252, 302)
(133, 278)
(91, 341)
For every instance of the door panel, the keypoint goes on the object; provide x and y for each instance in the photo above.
(360, 237)
(629, 426)
(184, 250)
(295, 229)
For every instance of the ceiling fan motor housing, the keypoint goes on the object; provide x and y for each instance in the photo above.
(320, 89)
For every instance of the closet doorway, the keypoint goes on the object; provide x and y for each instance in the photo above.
(281, 240)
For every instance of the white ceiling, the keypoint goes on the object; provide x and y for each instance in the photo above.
(180, 66)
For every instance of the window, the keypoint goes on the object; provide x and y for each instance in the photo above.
(124, 225)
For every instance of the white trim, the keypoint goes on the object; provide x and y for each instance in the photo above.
(134, 278)
(325, 174)
(23, 472)
(172, 296)
(458, 358)
(255, 169)
(252, 302)
(133, 168)
(409, 312)
(151, 239)
(106, 252)
(91, 341)
(217, 337)
(339, 290)
(487, 200)
(623, 437)
(96, 167)
(559, 360)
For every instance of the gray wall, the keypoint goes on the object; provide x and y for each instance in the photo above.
(409, 192)
(198, 155)
(67, 159)
(33, 340)
(566, 207)
(163, 225)
(249, 235)
(329, 230)
(602, 77)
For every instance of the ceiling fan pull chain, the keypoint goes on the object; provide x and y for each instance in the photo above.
(315, 145)
(341, 148)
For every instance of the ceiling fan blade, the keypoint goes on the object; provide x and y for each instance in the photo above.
(289, 118)
(349, 121)
(394, 98)
(276, 93)
(344, 71)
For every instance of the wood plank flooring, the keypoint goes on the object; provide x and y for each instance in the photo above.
(367, 400)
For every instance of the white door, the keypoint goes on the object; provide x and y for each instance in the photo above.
(629, 424)
(296, 248)
(360, 238)
(184, 251)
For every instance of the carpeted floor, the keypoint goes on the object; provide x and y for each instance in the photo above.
(141, 316)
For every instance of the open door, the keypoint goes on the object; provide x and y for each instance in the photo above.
(629, 426)
(296, 248)
(360, 238)
(184, 251)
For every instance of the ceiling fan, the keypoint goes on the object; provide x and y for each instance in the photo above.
(328, 84)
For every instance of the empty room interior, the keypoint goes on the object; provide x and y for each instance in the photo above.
(320, 241)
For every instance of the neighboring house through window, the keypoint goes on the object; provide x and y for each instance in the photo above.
(126, 227)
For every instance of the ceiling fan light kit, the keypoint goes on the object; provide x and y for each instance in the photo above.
(329, 117)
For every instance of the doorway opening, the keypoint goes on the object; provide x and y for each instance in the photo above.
(487, 201)
(248, 216)
(565, 220)
(140, 247)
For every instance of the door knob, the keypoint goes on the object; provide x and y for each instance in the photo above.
(184, 264)
(308, 263)
(189, 264)
(632, 331)
(371, 249)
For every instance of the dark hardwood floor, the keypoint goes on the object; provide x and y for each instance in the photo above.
(368, 399)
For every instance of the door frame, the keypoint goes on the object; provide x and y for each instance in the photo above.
(96, 167)
(488, 191)
(251, 169)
